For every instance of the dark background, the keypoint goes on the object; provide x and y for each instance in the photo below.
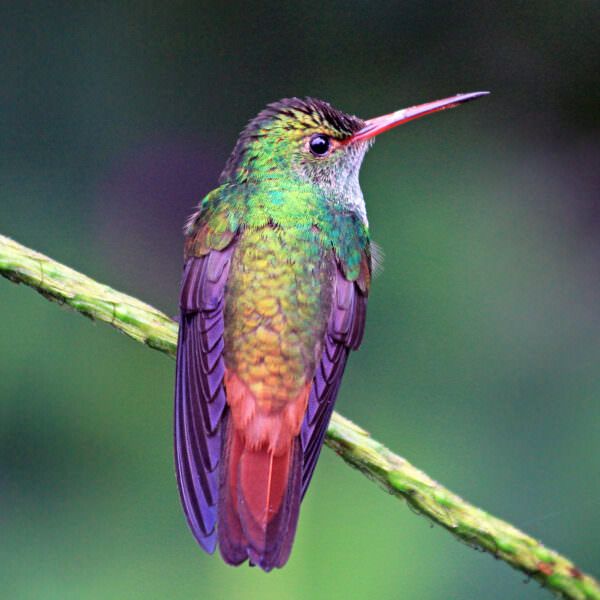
(480, 362)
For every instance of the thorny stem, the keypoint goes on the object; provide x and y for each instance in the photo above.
(392, 472)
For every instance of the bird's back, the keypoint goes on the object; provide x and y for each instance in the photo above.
(278, 302)
(277, 305)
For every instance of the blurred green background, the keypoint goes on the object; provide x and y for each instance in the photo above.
(480, 362)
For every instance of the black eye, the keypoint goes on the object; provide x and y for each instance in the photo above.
(319, 144)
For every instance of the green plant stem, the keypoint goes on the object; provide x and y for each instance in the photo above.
(392, 472)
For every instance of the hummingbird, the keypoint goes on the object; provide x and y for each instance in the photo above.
(277, 271)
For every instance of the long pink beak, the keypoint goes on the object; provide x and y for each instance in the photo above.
(378, 125)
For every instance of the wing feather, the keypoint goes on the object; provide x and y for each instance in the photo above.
(200, 401)
(344, 333)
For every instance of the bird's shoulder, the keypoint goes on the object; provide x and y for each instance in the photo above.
(352, 244)
(215, 222)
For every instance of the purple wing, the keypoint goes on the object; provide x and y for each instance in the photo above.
(344, 333)
(199, 391)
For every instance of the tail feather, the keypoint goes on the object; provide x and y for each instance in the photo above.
(232, 541)
(259, 502)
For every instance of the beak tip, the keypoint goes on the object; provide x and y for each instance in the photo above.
(471, 96)
(378, 125)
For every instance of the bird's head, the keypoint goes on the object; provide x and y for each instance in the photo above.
(308, 141)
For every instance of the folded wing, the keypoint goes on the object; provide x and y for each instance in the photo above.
(344, 333)
(200, 400)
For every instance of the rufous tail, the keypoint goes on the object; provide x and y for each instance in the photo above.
(259, 500)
